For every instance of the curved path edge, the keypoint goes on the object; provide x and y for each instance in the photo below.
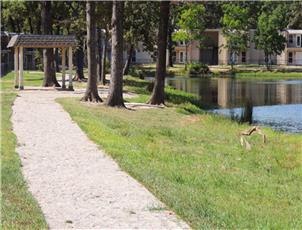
(75, 183)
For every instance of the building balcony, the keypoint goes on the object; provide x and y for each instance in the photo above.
(292, 45)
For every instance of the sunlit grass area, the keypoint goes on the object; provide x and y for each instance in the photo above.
(270, 75)
(19, 210)
(194, 163)
(191, 160)
(31, 78)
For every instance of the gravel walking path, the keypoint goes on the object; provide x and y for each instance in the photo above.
(75, 183)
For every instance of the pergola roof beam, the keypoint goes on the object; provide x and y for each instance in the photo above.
(42, 41)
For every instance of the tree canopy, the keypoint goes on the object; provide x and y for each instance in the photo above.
(191, 22)
(235, 28)
(268, 37)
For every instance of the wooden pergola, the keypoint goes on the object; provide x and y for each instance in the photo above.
(19, 42)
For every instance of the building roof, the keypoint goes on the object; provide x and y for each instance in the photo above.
(7, 34)
(292, 31)
(42, 41)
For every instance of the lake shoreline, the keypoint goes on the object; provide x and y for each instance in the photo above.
(228, 93)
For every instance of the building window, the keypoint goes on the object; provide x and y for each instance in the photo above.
(243, 57)
(290, 39)
(299, 41)
(182, 43)
(181, 57)
(290, 57)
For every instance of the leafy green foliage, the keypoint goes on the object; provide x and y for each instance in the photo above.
(181, 36)
(191, 22)
(140, 23)
(213, 13)
(198, 68)
(136, 72)
(295, 15)
(103, 14)
(268, 37)
(21, 16)
(235, 27)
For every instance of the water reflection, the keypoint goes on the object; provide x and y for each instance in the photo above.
(277, 104)
(279, 117)
(231, 93)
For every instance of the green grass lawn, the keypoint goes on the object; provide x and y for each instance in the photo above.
(31, 78)
(269, 75)
(189, 159)
(19, 210)
(194, 163)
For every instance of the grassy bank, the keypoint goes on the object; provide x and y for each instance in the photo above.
(19, 210)
(259, 71)
(195, 164)
(241, 71)
(269, 75)
(148, 70)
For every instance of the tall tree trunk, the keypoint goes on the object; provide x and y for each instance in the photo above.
(265, 59)
(79, 53)
(170, 46)
(38, 26)
(158, 94)
(115, 97)
(57, 57)
(232, 61)
(104, 56)
(100, 53)
(129, 59)
(31, 28)
(186, 58)
(19, 30)
(48, 56)
(91, 93)
(12, 22)
(49, 69)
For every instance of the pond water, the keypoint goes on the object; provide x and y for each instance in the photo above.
(276, 103)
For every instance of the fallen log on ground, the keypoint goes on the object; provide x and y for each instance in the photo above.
(249, 132)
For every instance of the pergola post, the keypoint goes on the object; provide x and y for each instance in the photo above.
(63, 67)
(70, 87)
(21, 81)
(16, 66)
